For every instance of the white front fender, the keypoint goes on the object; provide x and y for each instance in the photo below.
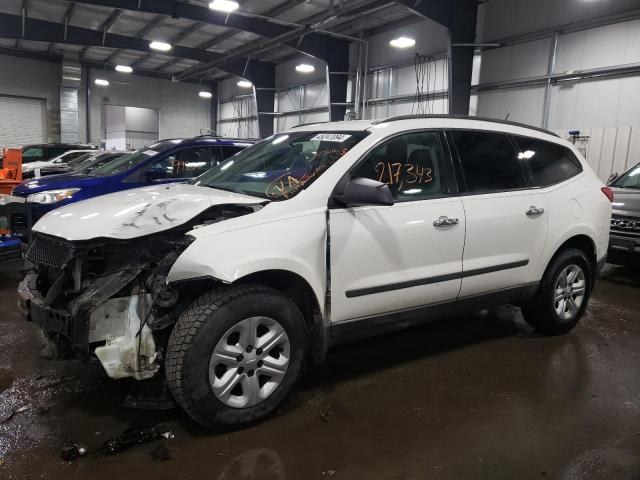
(296, 245)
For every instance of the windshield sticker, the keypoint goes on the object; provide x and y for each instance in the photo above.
(331, 137)
(149, 152)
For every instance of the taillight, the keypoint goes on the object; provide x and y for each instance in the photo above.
(608, 193)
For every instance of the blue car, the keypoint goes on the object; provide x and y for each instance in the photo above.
(168, 161)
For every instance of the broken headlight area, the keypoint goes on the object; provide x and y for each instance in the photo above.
(109, 297)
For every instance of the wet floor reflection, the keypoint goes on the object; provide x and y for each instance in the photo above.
(482, 396)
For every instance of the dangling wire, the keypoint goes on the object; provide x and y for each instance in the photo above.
(425, 95)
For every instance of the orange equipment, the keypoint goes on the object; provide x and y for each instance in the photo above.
(11, 174)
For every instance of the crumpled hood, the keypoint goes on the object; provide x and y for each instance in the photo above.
(136, 212)
(626, 201)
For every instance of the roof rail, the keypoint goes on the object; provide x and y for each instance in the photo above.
(310, 123)
(464, 117)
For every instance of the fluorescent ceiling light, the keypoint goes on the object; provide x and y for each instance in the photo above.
(160, 46)
(224, 5)
(124, 69)
(245, 84)
(402, 42)
(102, 82)
(305, 68)
(204, 94)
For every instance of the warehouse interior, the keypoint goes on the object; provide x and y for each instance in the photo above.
(483, 397)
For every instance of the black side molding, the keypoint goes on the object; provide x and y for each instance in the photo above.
(429, 280)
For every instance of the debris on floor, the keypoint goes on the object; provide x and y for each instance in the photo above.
(70, 451)
(133, 437)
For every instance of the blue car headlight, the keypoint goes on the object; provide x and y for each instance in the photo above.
(52, 196)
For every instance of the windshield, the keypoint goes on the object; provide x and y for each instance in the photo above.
(280, 166)
(33, 155)
(78, 160)
(92, 164)
(629, 179)
(133, 159)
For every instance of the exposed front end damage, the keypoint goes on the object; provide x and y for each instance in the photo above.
(108, 297)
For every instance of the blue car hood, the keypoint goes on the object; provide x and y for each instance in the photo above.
(56, 182)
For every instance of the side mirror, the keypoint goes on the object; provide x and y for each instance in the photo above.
(364, 191)
(612, 178)
(156, 174)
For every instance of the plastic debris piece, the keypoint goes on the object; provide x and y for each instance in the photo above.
(129, 438)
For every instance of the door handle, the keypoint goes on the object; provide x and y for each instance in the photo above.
(445, 221)
(534, 211)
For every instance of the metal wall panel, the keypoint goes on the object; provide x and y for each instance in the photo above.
(524, 105)
(609, 150)
(516, 61)
(69, 117)
(22, 121)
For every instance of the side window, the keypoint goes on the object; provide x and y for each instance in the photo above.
(548, 163)
(411, 164)
(230, 151)
(71, 156)
(489, 161)
(187, 163)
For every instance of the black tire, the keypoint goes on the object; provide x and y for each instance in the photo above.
(540, 312)
(198, 331)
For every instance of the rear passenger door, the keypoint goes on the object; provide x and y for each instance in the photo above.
(506, 220)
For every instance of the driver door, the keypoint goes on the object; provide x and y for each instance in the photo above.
(387, 259)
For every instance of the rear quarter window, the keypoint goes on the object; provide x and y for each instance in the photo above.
(548, 163)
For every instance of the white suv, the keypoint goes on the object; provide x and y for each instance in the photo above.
(225, 286)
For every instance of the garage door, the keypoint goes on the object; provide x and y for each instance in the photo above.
(22, 121)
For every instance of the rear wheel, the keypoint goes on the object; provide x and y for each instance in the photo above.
(563, 294)
(235, 354)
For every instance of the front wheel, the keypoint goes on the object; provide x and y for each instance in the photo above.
(235, 354)
(563, 294)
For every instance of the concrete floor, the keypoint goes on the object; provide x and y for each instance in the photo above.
(479, 397)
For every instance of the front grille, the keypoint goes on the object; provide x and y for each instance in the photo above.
(49, 251)
(625, 226)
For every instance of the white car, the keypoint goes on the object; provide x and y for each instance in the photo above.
(56, 163)
(223, 287)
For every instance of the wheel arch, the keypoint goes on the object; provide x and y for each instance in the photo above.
(302, 293)
(580, 241)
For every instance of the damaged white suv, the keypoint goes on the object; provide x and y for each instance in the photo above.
(225, 286)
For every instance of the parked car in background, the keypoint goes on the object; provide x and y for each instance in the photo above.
(47, 151)
(224, 286)
(624, 242)
(55, 165)
(168, 161)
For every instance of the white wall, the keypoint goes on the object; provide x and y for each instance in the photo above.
(24, 77)
(604, 109)
(182, 112)
(505, 18)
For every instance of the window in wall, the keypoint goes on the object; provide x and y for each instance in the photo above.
(410, 164)
(548, 162)
(489, 161)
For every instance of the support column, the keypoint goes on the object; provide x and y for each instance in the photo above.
(462, 30)
(263, 77)
(337, 80)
